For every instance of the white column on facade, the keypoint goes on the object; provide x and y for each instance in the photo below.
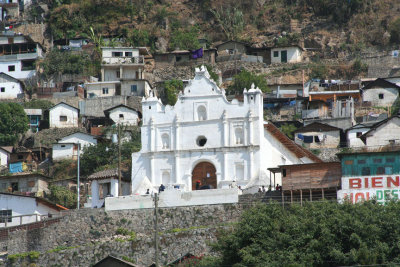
(152, 178)
(176, 133)
(140, 74)
(95, 193)
(152, 135)
(251, 158)
(102, 75)
(178, 178)
(114, 187)
(121, 73)
(250, 128)
(225, 170)
(225, 129)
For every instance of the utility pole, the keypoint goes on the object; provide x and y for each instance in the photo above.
(156, 228)
(78, 182)
(119, 161)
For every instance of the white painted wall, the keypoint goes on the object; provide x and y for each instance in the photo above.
(96, 201)
(174, 198)
(353, 140)
(331, 139)
(372, 95)
(96, 88)
(63, 110)
(64, 149)
(107, 52)
(184, 123)
(384, 133)
(23, 206)
(18, 73)
(129, 116)
(293, 54)
(11, 89)
(4, 156)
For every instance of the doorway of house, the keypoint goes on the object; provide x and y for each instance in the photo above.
(283, 56)
(205, 173)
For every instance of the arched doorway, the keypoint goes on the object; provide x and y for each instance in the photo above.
(205, 173)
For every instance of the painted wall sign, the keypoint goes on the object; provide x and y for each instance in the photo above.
(382, 188)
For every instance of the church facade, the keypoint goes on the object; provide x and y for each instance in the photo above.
(207, 141)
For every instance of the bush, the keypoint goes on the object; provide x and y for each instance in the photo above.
(61, 195)
(244, 80)
(171, 90)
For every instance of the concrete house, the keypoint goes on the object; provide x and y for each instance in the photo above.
(105, 184)
(380, 93)
(122, 114)
(67, 147)
(18, 54)
(289, 54)
(318, 135)
(121, 73)
(27, 184)
(354, 133)
(234, 50)
(34, 116)
(20, 209)
(63, 115)
(205, 139)
(5, 152)
(9, 10)
(386, 132)
(10, 88)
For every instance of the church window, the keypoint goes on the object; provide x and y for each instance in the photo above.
(165, 141)
(201, 140)
(238, 136)
(202, 113)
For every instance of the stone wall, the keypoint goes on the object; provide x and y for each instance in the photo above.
(83, 237)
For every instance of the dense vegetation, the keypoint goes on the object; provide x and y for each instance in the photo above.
(63, 196)
(244, 80)
(317, 234)
(13, 122)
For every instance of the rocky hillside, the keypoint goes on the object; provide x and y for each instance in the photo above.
(332, 26)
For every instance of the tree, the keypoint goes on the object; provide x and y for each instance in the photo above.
(315, 234)
(186, 39)
(230, 20)
(244, 80)
(171, 90)
(13, 122)
(61, 195)
(288, 129)
(394, 29)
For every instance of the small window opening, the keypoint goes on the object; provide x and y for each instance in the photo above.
(63, 118)
(121, 116)
(2, 89)
(201, 140)
(11, 68)
(381, 96)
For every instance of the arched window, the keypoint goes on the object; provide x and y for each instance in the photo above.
(238, 136)
(202, 113)
(165, 141)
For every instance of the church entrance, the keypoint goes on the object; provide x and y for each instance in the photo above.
(204, 177)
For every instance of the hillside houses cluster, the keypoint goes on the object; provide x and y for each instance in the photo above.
(211, 144)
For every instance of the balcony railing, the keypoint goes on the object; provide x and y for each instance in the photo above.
(124, 60)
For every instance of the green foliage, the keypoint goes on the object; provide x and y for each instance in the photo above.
(32, 255)
(61, 195)
(126, 258)
(58, 62)
(13, 122)
(38, 103)
(137, 37)
(94, 157)
(317, 234)
(126, 232)
(184, 39)
(230, 20)
(318, 71)
(244, 80)
(212, 73)
(288, 129)
(171, 90)
(359, 67)
(394, 30)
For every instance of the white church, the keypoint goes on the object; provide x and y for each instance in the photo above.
(205, 141)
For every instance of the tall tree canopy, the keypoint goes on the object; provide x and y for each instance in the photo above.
(317, 234)
(244, 80)
(13, 121)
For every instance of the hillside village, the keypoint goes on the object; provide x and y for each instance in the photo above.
(144, 110)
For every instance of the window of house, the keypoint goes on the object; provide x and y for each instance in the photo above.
(62, 145)
(31, 184)
(63, 118)
(377, 160)
(128, 54)
(118, 73)
(381, 96)
(133, 88)
(121, 116)
(391, 160)
(276, 53)
(178, 58)
(20, 157)
(348, 162)
(5, 216)
(231, 51)
(14, 187)
(117, 54)
(361, 161)
(380, 170)
(2, 89)
(392, 142)
(11, 68)
(284, 172)
(105, 91)
(388, 170)
(365, 171)
(359, 134)
(104, 190)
